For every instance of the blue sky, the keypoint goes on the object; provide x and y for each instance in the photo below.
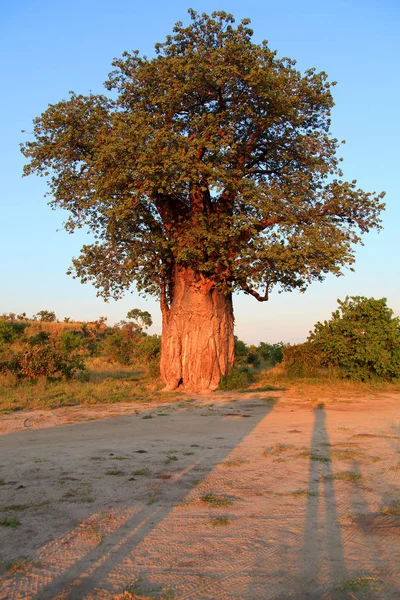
(48, 48)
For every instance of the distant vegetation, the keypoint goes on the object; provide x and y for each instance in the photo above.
(31, 349)
(48, 363)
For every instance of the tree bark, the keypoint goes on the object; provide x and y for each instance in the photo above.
(197, 346)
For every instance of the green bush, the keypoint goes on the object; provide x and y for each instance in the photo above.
(270, 353)
(40, 338)
(38, 361)
(237, 378)
(360, 341)
(120, 343)
(70, 341)
(149, 347)
(10, 331)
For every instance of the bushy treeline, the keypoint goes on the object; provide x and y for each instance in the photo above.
(361, 341)
(32, 350)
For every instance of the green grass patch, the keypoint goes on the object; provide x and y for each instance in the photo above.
(316, 457)
(264, 388)
(12, 523)
(351, 476)
(215, 500)
(170, 458)
(145, 472)
(277, 449)
(353, 454)
(220, 521)
(235, 462)
(391, 510)
(357, 584)
(24, 506)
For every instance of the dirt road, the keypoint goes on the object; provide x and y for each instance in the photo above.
(217, 498)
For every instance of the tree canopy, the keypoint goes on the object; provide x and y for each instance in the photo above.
(215, 155)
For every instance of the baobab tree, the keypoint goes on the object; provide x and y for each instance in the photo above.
(210, 169)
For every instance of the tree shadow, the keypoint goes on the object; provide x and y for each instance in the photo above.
(71, 566)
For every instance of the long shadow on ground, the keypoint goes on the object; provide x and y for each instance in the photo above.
(77, 481)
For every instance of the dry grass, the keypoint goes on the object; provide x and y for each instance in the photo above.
(108, 383)
(329, 388)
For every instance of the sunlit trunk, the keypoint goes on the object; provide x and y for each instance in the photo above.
(197, 337)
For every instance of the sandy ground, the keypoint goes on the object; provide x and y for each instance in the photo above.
(216, 498)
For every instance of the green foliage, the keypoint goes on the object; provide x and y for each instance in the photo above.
(40, 338)
(262, 356)
(237, 378)
(121, 342)
(360, 341)
(270, 353)
(141, 318)
(70, 341)
(47, 316)
(214, 155)
(149, 348)
(39, 361)
(10, 331)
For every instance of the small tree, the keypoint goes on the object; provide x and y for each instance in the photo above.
(47, 316)
(141, 318)
(211, 169)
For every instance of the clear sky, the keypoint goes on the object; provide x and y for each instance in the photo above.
(50, 47)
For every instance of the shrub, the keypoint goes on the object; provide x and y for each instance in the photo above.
(70, 341)
(38, 361)
(271, 353)
(361, 341)
(149, 347)
(10, 331)
(40, 338)
(237, 378)
(121, 343)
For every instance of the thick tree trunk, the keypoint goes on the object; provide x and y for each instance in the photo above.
(197, 338)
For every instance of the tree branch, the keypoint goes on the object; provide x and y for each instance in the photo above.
(248, 290)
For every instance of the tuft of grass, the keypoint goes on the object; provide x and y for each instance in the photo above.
(170, 458)
(97, 458)
(139, 591)
(317, 457)
(188, 453)
(277, 449)
(147, 417)
(215, 500)
(392, 510)
(352, 454)
(235, 462)
(145, 471)
(220, 521)
(2, 481)
(24, 506)
(352, 476)
(357, 584)
(116, 472)
(7, 522)
(297, 493)
(19, 565)
(264, 388)
(79, 494)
